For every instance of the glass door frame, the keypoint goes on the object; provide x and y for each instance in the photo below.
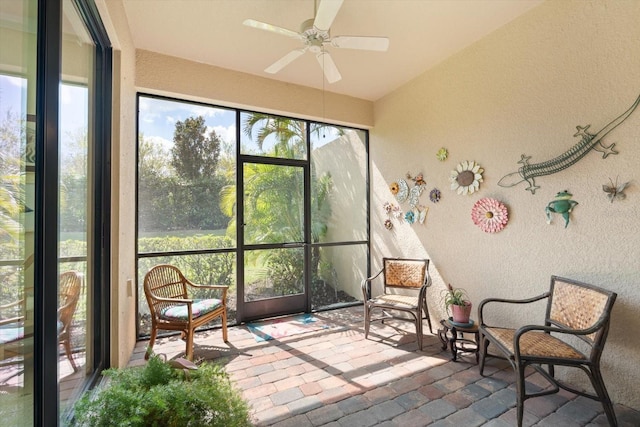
(275, 306)
(46, 408)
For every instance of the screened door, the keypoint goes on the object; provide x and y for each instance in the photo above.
(273, 249)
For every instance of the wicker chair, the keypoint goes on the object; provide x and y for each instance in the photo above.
(167, 292)
(12, 331)
(575, 312)
(68, 296)
(410, 275)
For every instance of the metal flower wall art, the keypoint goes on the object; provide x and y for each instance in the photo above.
(490, 215)
(442, 154)
(466, 177)
(393, 211)
(400, 189)
(434, 195)
(418, 214)
(416, 190)
(615, 191)
(561, 204)
(588, 141)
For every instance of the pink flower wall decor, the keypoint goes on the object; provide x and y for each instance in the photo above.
(490, 215)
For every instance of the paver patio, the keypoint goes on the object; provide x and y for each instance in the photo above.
(334, 377)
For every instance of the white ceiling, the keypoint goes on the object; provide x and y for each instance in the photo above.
(422, 33)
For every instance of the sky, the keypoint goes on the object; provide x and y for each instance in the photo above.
(73, 104)
(157, 117)
(73, 101)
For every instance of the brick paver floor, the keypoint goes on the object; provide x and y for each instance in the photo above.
(334, 377)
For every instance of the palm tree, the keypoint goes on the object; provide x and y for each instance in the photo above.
(290, 134)
(275, 193)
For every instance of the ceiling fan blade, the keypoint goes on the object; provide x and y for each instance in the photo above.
(271, 28)
(284, 61)
(327, 11)
(328, 67)
(361, 42)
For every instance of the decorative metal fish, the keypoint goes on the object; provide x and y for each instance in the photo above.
(589, 141)
(615, 191)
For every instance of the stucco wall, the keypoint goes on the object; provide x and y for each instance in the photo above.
(155, 73)
(523, 90)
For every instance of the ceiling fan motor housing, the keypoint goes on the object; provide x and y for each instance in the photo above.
(313, 37)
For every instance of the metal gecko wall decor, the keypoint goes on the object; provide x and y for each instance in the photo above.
(589, 141)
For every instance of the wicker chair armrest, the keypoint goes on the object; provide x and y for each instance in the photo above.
(507, 301)
(561, 330)
(11, 320)
(548, 329)
(12, 304)
(422, 295)
(222, 288)
(173, 300)
(62, 308)
(366, 285)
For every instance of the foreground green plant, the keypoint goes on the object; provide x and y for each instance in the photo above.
(159, 395)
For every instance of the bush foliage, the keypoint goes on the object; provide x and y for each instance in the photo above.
(158, 395)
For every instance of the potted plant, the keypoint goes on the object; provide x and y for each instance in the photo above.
(457, 300)
(159, 394)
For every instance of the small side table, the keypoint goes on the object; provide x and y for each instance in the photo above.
(453, 336)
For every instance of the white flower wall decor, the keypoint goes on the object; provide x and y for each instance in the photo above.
(466, 177)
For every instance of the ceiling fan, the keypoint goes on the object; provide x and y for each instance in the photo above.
(314, 34)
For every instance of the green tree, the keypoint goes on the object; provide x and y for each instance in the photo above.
(13, 137)
(290, 134)
(156, 179)
(274, 194)
(195, 154)
(12, 133)
(179, 188)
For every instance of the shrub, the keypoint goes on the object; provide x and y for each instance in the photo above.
(158, 395)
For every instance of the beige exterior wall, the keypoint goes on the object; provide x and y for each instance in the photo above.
(524, 89)
(348, 205)
(156, 73)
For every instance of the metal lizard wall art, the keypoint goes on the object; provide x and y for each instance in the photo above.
(589, 141)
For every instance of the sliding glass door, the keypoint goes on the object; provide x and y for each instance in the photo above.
(55, 62)
(18, 40)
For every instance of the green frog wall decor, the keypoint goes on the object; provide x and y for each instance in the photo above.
(561, 204)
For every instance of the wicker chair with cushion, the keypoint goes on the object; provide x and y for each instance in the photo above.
(167, 292)
(68, 296)
(576, 313)
(12, 329)
(411, 276)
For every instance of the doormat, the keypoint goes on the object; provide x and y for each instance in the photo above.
(285, 327)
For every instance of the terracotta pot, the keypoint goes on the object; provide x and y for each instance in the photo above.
(461, 313)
